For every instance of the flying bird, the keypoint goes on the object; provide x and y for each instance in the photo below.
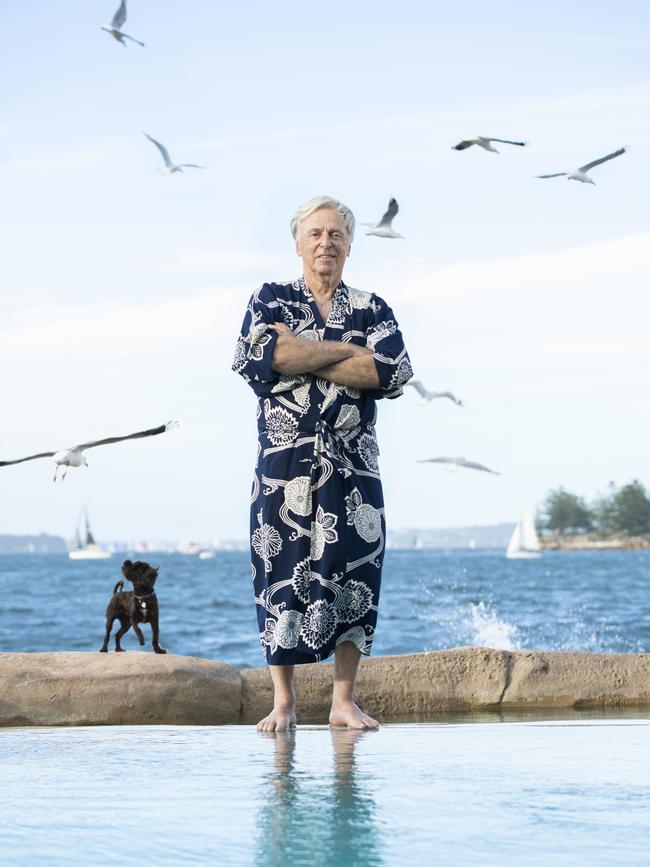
(428, 396)
(485, 142)
(74, 457)
(454, 463)
(580, 174)
(384, 228)
(169, 167)
(114, 28)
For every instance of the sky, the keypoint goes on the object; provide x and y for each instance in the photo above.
(123, 290)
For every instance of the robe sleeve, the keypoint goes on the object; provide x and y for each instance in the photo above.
(255, 344)
(389, 353)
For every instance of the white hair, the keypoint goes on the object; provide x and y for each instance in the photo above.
(323, 202)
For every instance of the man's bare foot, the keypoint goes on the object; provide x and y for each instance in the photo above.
(281, 718)
(347, 713)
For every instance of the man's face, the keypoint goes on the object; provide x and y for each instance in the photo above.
(323, 243)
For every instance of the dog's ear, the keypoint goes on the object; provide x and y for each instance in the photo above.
(156, 569)
(126, 567)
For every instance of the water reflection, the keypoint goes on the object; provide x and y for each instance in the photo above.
(314, 812)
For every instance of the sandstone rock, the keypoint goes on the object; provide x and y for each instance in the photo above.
(416, 684)
(116, 689)
(539, 679)
(139, 688)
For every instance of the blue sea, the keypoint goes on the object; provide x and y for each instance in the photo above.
(430, 600)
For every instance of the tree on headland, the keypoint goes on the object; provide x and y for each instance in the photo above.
(565, 512)
(620, 510)
(630, 511)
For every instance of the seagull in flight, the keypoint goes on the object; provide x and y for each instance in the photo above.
(384, 228)
(454, 463)
(485, 142)
(428, 396)
(74, 457)
(169, 167)
(114, 28)
(580, 174)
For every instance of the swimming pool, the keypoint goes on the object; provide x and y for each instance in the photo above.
(548, 791)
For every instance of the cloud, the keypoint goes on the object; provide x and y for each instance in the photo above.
(601, 105)
(537, 350)
(121, 331)
(240, 259)
(104, 152)
(581, 266)
(583, 305)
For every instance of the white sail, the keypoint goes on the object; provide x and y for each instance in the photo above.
(529, 539)
(86, 547)
(524, 543)
(514, 546)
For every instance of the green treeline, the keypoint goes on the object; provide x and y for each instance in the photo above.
(619, 510)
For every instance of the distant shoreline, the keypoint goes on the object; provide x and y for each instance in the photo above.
(596, 542)
(487, 538)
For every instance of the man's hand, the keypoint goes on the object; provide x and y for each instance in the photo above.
(281, 328)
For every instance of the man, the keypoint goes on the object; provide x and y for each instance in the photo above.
(318, 354)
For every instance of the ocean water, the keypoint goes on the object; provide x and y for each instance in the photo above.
(560, 793)
(430, 600)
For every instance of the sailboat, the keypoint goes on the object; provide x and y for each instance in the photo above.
(206, 554)
(86, 547)
(524, 543)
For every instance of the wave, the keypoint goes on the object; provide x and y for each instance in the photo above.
(486, 629)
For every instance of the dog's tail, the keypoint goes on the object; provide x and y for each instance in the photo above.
(118, 586)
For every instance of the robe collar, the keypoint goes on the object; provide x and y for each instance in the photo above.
(301, 284)
(338, 306)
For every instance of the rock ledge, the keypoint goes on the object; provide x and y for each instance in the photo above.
(50, 689)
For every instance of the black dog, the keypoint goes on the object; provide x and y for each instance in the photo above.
(133, 607)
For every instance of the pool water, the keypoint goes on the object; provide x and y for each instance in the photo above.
(502, 793)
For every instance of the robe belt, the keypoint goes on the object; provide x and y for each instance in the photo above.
(325, 433)
(342, 434)
(333, 442)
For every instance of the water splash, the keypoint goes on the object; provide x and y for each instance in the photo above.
(487, 630)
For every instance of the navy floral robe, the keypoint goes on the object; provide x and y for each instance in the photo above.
(317, 510)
